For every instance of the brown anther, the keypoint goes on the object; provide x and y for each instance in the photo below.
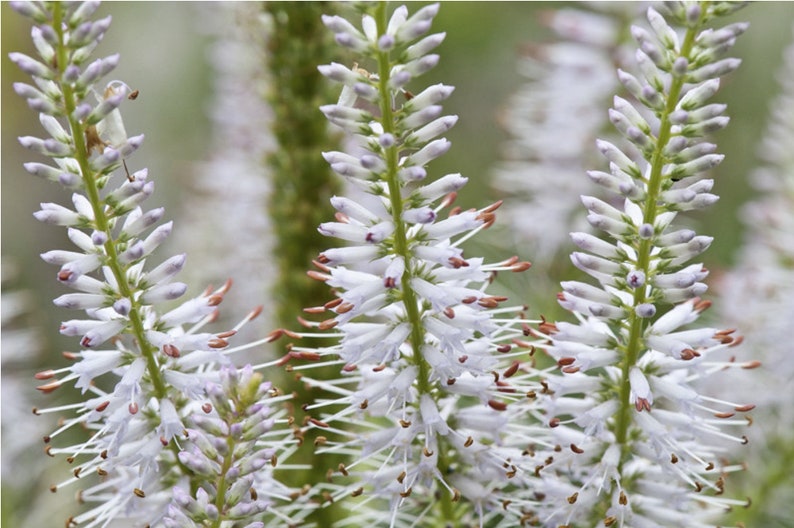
(688, 354)
(546, 327)
(316, 275)
(104, 454)
(71, 356)
(751, 364)
(322, 259)
(449, 312)
(497, 405)
(48, 451)
(576, 449)
(512, 369)
(554, 422)
(49, 387)
(44, 374)
(102, 406)
(341, 217)
(342, 469)
(318, 423)
(320, 441)
(673, 458)
(494, 206)
(463, 358)
(349, 368)
(328, 324)
(253, 494)
(133, 95)
(570, 370)
(512, 473)
(64, 275)
(139, 493)
(217, 343)
(458, 262)
(133, 408)
(745, 440)
(745, 408)
(401, 477)
(406, 493)
(70, 459)
(531, 395)
(356, 492)
(701, 305)
(642, 404)
(610, 521)
(738, 340)
(724, 414)
(427, 452)
(333, 304)
(451, 381)
(214, 299)
(344, 308)
(53, 488)
(455, 495)
(504, 348)
(564, 362)
(379, 368)
(488, 302)
(322, 267)
(390, 283)
(449, 199)
(273, 461)
(749, 419)
(171, 351)
(405, 424)
(572, 498)
(469, 441)
(468, 300)
(274, 335)
(363, 405)
(537, 470)
(521, 266)
(227, 334)
(622, 499)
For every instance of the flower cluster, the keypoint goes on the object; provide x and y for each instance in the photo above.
(421, 405)
(143, 368)
(641, 446)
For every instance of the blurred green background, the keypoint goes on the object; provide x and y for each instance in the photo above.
(163, 54)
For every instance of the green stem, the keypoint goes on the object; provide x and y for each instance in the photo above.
(401, 249)
(636, 324)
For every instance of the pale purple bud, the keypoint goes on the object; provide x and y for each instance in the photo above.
(649, 68)
(353, 42)
(30, 10)
(645, 40)
(693, 12)
(89, 32)
(110, 157)
(104, 108)
(394, 273)
(335, 112)
(198, 463)
(422, 215)
(157, 237)
(678, 117)
(31, 66)
(413, 173)
(133, 253)
(354, 210)
(675, 296)
(71, 73)
(695, 151)
(350, 255)
(164, 292)
(238, 490)
(55, 129)
(131, 145)
(429, 152)
(680, 66)
(646, 231)
(252, 463)
(595, 245)
(378, 233)
(681, 279)
(122, 306)
(132, 201)
(421, 65)
(83, 11)
(586, 291)
(676, 237)
(386, 140)
(696, 166)
(706, 127)
(453, 225)
(55, 214)
(441, 187)
(429, 96)
(608, 224)
(635, 279)
(366, 91)
(424, 46)
(400, 79)
(80, 301)
(698, 95)
(711, 38)
(82, 111)
(432, 129)
(351, 171)
(386, 42)
(96, 70)
(99, 238)
(614, 154)
(167, 269)
(681, 253)
(48, 147)
(667, 36)
(645, 310)
(586, 262)
(340, 73)
(707, 112)
(418, 24)
(651, 97)
(134, 225)
(425, 115)
(45, 49)
(373, 163)
(630, 83)
(606, 311)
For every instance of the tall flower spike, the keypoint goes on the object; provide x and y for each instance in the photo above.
(648, 446)
(142, 371)
(421, 408)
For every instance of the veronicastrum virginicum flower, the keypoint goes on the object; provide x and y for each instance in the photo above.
(640, 445)
(421, 405)
(146, 371)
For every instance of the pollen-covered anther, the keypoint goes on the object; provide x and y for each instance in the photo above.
(405, 424)
(610, 521)
(512, 369)
(688, 354)
(572, 499)
(469, 441)
(406, 493)
(49, 387)
(327, 324)
(449, 312)
(642, 404)
(457, 262)
(139, 493)
(401, 476)
(576, 449)
(427, 452)
(622, 499)
(171, 351)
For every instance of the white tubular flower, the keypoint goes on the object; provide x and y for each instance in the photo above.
(420, 410)
(646, 448)
(132, 375)
(759, 295)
